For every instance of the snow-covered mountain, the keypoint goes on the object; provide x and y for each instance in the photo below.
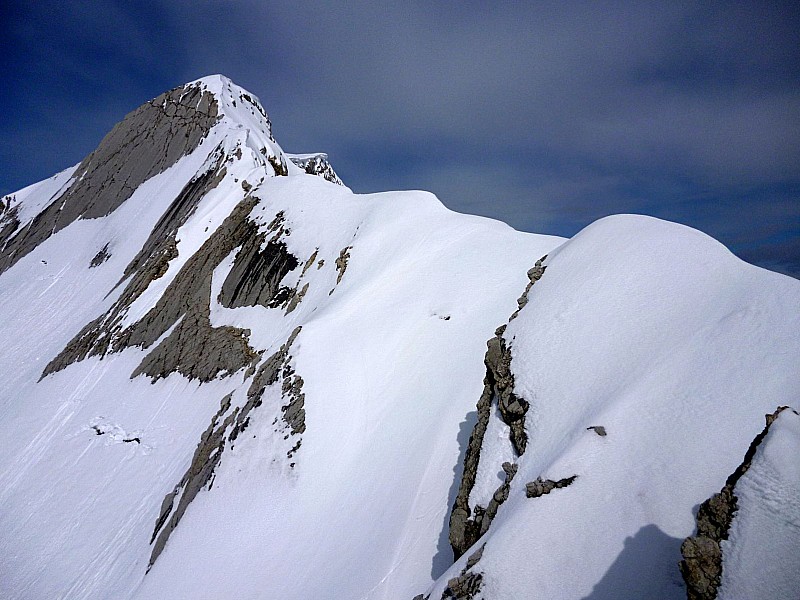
(225, 375)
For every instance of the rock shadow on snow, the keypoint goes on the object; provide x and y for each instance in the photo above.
(647, 567)
(443, 558)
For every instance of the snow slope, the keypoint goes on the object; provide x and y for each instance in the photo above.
(657, 333)
(760, 557)
(326, 459)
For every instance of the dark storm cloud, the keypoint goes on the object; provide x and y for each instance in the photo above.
(546, 115)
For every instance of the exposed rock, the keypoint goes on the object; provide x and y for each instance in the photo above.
(278, 166)
(145, 143)
(498, 389)
(256, 274)
(484, 518)
(702, 562)
(152, 260)
(193, 348)
(275, 367)
(540, 487)
(463, 587)
(534, 274)
(101, 257)
(296, 298)
(310, 261)
(463, 530)
(316, 164)
(598, 429)
(475, 557)
(468, 583)
(9, 220)
(341, 262)
(206, 458)
(512, 407)
(226, 426)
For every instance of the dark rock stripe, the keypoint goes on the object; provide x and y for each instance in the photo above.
(498, 390)
(702, 562)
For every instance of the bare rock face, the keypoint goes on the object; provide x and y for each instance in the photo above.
(317, 164)
(256, 274)
(702, 562)
(206, 458)
(467, 525)
(193, 348)
(102, 256)
(145, 143)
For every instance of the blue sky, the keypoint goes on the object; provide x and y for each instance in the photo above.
(544, 115)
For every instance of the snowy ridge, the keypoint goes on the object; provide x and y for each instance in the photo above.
(242, 380)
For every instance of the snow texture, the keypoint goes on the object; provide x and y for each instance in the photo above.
(761, 557)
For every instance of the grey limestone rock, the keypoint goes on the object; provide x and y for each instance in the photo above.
(468, 525)
(9, 219)
(205, 460)
(256, 274)
(193, 348)
(467, 585)
(702, 562)
(102, 256)
(341, 262)
(317, 164)
(540, 487)
(225, 427)
(145, 143)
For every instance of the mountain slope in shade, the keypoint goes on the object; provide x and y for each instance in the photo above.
(226, 375)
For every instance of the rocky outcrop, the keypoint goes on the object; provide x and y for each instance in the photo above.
(160, 247)
(341, 263)
(205, 460)
(102, 256)
(9, 219)
(225, 428)
(540, 486)
(145, 143)
(702, 562)
(467, 525)
(256, 274)
(534, 274)
(483, 518)
(468, 583)
(193, 347)
(316, 164)
(293, 411)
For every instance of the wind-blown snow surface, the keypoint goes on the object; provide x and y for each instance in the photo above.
(650, 329)
(760, 557)
(677, 348)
